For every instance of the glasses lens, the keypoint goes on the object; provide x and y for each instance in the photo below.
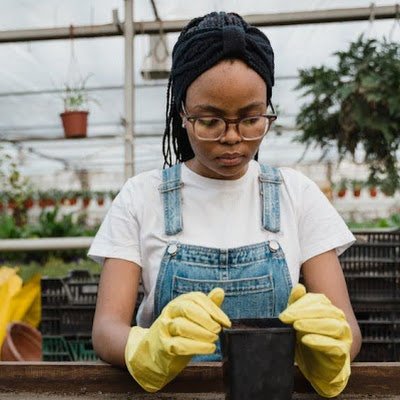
(254, 127)
(209, 127)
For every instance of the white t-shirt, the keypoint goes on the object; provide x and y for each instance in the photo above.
(220, 214)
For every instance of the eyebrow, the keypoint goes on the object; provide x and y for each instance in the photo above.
(210, 108)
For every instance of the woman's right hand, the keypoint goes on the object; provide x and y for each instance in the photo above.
(188, 325)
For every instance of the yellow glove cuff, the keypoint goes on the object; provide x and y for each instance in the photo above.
(136, 334)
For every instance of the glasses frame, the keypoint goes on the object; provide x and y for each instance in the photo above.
(228, 121)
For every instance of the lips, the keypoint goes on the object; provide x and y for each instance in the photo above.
(230, 159)
(230, 156)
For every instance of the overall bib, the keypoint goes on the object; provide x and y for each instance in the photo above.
(255, 278)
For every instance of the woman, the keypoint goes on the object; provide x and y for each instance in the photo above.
(219, 224)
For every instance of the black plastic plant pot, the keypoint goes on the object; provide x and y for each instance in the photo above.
(258, 359)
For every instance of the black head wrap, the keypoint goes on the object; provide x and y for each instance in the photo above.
(202, 44)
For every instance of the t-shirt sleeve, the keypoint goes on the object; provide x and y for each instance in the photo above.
(321, 228)
(118, 235)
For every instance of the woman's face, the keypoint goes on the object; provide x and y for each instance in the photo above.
(232, 90)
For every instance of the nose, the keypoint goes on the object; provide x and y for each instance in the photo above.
(232, 134)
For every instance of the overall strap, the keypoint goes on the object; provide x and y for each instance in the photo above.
(270, 181)
(170, 191)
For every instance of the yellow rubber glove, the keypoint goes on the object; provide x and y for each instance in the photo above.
(188, 325)
(10, 285)
(18, 302)
(323, 340)
(26, 304)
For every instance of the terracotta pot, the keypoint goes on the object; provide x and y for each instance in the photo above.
(373, 192)
(74, 123)
(42, 203)
(12, 204)
(86, 202)
(28, 203)
(22, 343)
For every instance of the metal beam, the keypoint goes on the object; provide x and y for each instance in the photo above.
(129, 165)
(155, 84)
(21, 137)
(152, 27)
(64, 243)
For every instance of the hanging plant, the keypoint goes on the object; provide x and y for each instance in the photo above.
(75, 115)
(357, 104)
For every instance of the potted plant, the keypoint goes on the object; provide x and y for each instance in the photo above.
(86, 197)
(372, 189)
(64, 198)
(72, 196)
(342, 188)
(357, 186)
(17, 189)
(100, 198)
(29, 202)
(12, 201)
(43, 199)
(75, 115)
(356, 105)
(3, 198)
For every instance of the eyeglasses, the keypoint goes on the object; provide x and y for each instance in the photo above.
(212, 129)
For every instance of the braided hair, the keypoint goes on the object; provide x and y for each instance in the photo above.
(203, 43)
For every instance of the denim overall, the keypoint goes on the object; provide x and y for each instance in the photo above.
(255, 278)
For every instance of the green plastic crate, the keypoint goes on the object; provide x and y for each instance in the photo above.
(55, 348)
(82, 350)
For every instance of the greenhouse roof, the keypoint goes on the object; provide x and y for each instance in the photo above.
(33, 74)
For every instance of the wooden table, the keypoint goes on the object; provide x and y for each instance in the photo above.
(95, 380)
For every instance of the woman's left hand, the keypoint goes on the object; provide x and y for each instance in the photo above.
(323, 340)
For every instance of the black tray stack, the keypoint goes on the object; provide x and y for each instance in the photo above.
(68, 306)
(372, 270)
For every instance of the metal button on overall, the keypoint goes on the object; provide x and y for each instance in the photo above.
(172, 249)
(273, 246)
